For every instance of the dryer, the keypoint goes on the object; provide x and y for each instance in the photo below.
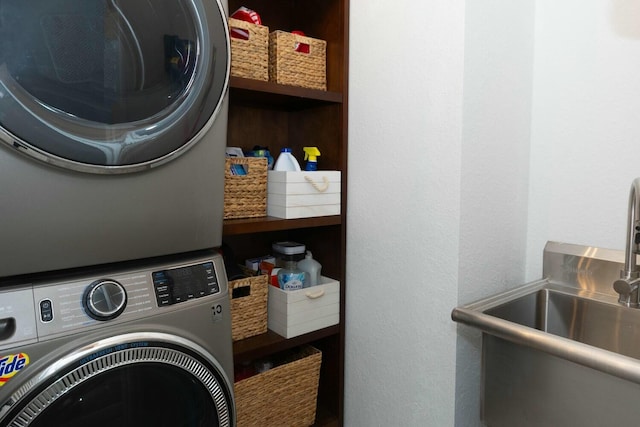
(113, 120)
(143, 345)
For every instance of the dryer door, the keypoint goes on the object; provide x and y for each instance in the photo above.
(110, 86)
(143, 380)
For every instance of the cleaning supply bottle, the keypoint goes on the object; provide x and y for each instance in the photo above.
(311, 155)
(286, 161)
(290, 277)
(312, 269)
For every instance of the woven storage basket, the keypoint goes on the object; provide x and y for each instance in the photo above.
(288, 67)
(250, 58)
(285, 395)
(245, 196)
(248, 306)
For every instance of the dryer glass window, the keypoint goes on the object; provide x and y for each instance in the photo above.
(110, 82)
(138, 395)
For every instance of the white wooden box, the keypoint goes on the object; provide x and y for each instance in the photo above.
(303, 194)
(293, 313)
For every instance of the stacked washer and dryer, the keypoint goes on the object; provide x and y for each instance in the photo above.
(114, 306)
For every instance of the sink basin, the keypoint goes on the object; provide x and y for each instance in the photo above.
(608, 326)
(584, 327)
(560, 351)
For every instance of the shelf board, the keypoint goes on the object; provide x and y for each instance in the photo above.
(257, 92)
(270, 342)
(325, 419)
(269, 223)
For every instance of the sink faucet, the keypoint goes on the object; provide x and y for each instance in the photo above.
(627, 284)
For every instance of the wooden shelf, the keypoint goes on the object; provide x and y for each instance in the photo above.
(275, 116)
(270, 342)
(273, 95)
(268, 223)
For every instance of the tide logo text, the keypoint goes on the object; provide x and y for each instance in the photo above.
(11, 364)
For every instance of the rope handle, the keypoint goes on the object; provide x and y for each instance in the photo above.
(315, 295)
(317, 186)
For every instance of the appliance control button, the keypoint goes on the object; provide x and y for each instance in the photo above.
(104, 299)
(46, 310)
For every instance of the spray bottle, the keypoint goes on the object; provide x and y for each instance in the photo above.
(311, 155)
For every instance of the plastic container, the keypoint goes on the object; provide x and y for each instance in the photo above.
(290, 277)
(282, 250)
(312, 268)
(286, 162)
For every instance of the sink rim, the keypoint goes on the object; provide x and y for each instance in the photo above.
(606, 361)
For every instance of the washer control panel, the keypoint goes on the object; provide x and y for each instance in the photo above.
(45, 310)
(175, 285)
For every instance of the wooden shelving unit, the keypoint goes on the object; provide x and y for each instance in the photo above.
(277, 116)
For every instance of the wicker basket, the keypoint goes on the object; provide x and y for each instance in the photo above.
(250, 58)
(245, 196)
(249, 306)
(289, 67)
(285, 395)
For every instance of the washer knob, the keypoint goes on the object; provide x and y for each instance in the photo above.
(104, 299)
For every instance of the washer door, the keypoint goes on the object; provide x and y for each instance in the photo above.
(110, 86)
(143, 380)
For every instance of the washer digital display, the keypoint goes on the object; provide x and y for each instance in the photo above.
(181, 284)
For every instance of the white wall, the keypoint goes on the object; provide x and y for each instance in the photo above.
(479, 130)
(498, 79)
(585, 125)
(404, 200)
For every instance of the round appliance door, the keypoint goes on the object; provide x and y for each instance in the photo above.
(130, 380)
(110, 86)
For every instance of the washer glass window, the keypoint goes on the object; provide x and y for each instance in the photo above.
(110, 83)
(139, 395)
(130, 384)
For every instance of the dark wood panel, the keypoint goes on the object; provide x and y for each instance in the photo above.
(277, 116)
(258, 93)
(269, 343)
(275, 14)
(321, 19)
(323, 242)
(313, 127)
(325, 419)
(269, 223)
(322, 128)
(328, 26)
(316, 18)
(331, 374)
(251, 126)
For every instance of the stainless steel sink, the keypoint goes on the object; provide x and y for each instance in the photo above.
(591, 321)
(560, 351)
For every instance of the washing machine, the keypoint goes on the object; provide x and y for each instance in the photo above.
(113, 123)
(139, 345)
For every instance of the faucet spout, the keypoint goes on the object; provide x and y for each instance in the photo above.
(633, 231)
(627, 285)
